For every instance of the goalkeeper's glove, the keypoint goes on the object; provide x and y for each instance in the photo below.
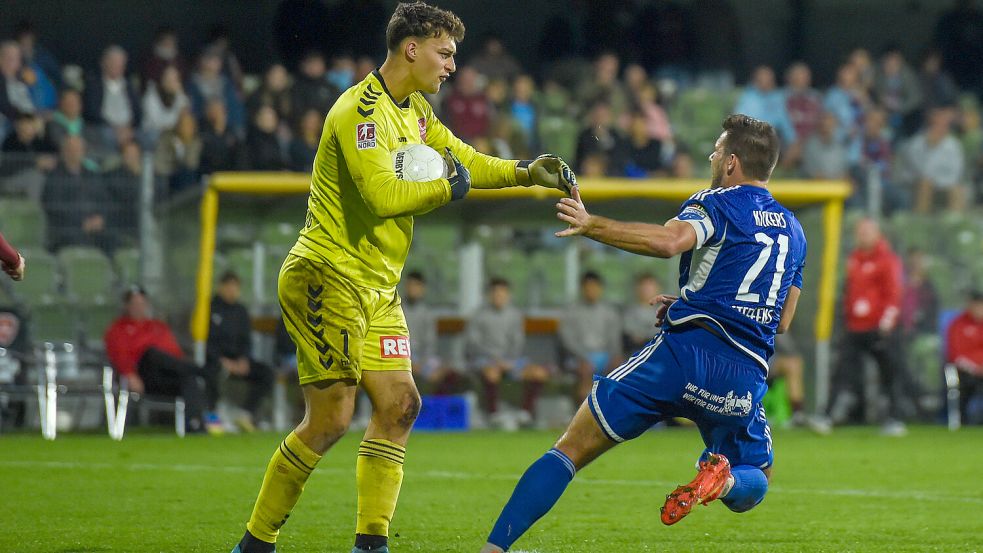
(459, 176)
(546, 170)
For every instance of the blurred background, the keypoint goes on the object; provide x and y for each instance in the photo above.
(115, 114)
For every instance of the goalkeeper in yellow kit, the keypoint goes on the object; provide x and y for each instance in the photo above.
(337, 288)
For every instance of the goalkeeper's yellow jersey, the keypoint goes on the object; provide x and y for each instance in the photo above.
(359, 215)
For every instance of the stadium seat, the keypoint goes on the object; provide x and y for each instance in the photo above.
(89, 276)
(42, 284)
(54, 321)
(127, 262)
(278, 235)
(551, 277)
(615, 268)
(436, 237)
(95, 320)
(241, 260)
(23, 223)
(446, 288)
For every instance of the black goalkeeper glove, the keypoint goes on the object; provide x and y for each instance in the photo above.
(459, 176)
(546, 170)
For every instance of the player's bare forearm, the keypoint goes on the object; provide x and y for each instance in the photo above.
(788, 310)
(639, 238)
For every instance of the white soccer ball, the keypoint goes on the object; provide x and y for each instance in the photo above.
(418, 163)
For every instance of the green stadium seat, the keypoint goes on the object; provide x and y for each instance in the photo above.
(127, 262)
(89, 276)
(55, 321)
(44, 277)
(435, 237)
(241, 260)
(22, 222)
(551, 277)
(446, 287)
(95, 320)
(278, 235)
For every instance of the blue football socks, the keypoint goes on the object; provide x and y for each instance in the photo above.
(537, 491)
(750, 486)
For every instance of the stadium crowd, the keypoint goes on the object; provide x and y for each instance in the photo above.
(73, 139)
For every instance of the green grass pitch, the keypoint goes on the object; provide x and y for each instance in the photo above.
(852, 491)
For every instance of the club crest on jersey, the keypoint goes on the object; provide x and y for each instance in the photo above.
(394, 347)
(365, 136)
(422, 122)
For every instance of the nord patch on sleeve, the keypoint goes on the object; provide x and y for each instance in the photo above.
(365, 136)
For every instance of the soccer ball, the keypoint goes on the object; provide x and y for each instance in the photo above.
(418, 163)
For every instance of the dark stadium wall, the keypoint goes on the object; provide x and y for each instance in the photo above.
(767, 31)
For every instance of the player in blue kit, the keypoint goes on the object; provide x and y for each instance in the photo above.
(740, 278)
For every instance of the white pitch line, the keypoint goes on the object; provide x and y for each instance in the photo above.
(916, 495)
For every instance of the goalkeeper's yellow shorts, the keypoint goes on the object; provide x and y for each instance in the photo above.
(340, 328)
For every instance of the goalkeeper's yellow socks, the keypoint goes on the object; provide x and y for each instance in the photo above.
(291, 465)
(378, 476)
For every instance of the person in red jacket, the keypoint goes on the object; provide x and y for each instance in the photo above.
(872, 309)
(965, 350)
(144, 351)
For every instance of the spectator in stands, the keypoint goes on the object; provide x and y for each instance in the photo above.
(494, 61)
(920, 301)
(44, 95)
(26, 148)
(311, 89)
(220, 42)
(145, 353)
(275, 91)
(165, 52)
(229, 348)
(467, 109)
(209, 83)
(38, 57)
(601, 137)
(590, 334)
(964, 349)
(605, 86)
(304, 145)
(342, 72)
(523, 109)
(876, 159)
(899, 91)
(75, 201)
(263, 151)
(803, 103)
(494, 344)
(636, 79)
(824, 156)
(178, 154)
(762, 100)
(67, 119)
(124, 185)
(644, 155)
(862, 61)
(366, 65)
(110, 102)
(221, 149)
(934, 162)
(421, 320)
(872, 307)
(848, 100)
(971, 139)
(938, 88)
(638, 319)
(682, 166)
(163, 103)
(15, 94)
(656, 119)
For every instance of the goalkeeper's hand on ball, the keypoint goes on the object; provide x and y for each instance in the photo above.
(458, 175)
(546, 170)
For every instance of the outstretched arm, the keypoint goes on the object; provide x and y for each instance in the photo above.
(663, 241)
(12, 262)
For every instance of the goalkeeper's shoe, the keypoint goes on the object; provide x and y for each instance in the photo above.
(251, 544)
(706, 487)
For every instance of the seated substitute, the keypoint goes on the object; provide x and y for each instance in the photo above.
(229, 348)
(143, 350)
(590, 333)
(494, 344)
(638, 319)
(965, 351)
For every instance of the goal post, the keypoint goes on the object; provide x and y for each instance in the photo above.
(830, 195)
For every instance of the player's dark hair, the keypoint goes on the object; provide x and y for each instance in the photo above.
(419, 19)
(417, 276)
(499, 281)
(230, 276)
(754, 142)
(591, 276)
(133, 290)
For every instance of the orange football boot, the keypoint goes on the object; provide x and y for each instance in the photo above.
(709, 482)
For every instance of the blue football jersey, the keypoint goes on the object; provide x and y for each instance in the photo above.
(749, 251)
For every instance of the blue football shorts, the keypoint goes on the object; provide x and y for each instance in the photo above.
(692, 373)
